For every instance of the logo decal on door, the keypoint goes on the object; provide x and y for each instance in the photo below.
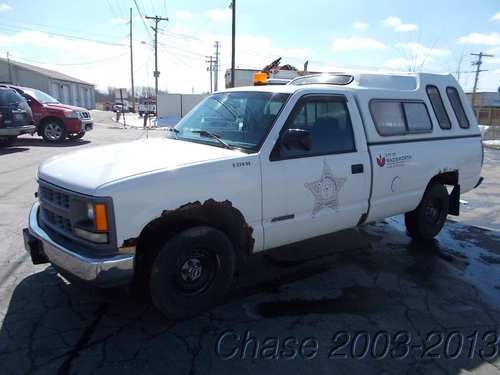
(325, 190)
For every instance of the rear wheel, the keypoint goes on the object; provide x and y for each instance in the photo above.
(427, 220)
(76, 135)
(53, 131)
(192, 272)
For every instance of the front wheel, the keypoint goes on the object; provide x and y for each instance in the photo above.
(53, 132)
(76, 135)
(427, 220)
(192, 272)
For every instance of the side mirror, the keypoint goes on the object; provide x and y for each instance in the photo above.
(297, 139)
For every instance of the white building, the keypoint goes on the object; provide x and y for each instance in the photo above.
(66, 89)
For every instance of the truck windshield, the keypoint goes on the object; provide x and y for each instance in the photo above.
(40, 96)
(238, 119)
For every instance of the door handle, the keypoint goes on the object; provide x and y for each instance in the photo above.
(357, 168)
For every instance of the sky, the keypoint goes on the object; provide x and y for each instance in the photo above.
(90, 39)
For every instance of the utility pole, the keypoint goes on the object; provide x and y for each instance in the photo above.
(156, 72)
(478, 64)
(10, 69)
(210, 60)
(459, 67)
(132, 64)
(216, 66)
(233, 42)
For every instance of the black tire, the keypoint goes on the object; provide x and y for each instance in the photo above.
(6, 142)
(192, 272)
(76, 136)
(53, 131)
(427, 220)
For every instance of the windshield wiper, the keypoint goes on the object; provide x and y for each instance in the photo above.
(205, 133)
(175, 131)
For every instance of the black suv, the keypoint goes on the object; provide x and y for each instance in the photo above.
(15, 116)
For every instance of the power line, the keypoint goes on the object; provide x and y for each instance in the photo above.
(185, 51)
(142, 19)
(122, 8)
(22, 24)
(153, 6)
(71, 64)
(112, 9)
(10, 28)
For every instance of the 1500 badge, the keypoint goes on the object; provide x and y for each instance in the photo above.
(241, 164)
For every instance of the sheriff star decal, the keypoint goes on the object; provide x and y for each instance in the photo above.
(325, 190)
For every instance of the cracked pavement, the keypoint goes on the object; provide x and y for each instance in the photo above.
(339, 290)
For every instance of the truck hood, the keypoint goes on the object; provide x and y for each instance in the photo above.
(86, 170)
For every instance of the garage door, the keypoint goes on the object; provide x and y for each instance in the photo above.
(54, 90)
(65, 94)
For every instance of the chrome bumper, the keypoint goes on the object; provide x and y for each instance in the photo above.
(102, 272)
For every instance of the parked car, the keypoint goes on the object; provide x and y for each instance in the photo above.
(256, 168)
(15, 116)
(118, 107)
(55, 121)
(122, 107)
(147, 106)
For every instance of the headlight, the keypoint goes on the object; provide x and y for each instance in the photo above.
(72, 114)
(90, 212)
(94, 227)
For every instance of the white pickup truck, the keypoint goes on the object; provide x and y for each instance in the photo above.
(251, 169)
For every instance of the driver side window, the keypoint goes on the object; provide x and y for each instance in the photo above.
(325, 121)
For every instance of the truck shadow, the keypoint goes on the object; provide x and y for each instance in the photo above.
(12, 150)
(370, 280)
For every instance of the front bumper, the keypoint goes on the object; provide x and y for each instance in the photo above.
(78, 125)
(87, 125)
(101, 272)
(17, 130)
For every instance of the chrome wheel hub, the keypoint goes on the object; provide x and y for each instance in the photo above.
(53, 131)
(191, 269)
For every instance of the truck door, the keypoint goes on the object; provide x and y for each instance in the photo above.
(316, 179)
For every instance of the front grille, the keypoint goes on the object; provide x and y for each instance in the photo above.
(85, 115)
(58, 221)
(56, 209)
(54, 197)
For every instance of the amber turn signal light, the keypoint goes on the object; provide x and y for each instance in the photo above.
(101, 218)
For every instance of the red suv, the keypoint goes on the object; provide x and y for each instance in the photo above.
(55, 121)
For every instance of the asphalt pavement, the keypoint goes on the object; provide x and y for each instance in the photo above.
(366, 300)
